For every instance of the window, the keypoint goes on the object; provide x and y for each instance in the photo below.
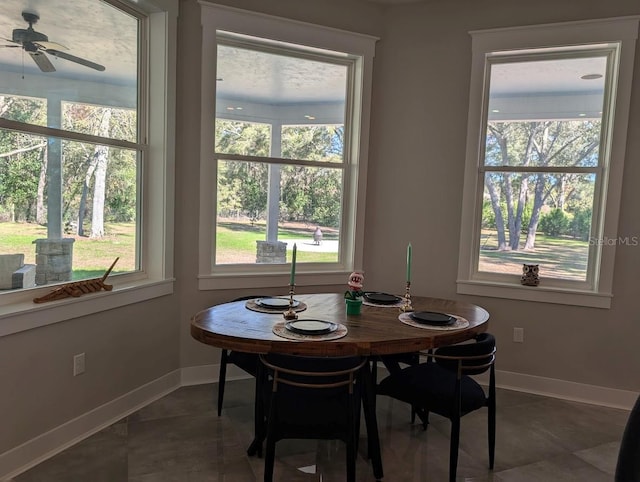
(542, 184)
(287, 122)
(84, 170)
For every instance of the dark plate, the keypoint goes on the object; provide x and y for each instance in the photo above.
(275, 302)
(311, 327)
(381, 298)
(432, 318)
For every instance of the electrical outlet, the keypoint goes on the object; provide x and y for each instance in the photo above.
(518, 335)
(78, 364)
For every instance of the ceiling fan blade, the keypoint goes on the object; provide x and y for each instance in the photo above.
(9, 46)
(42, 61)
(77, 60)
(51, 45)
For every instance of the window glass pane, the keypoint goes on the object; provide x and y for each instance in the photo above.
(101, 121)
(315, 142)
(97, 207)
(537, 218)
(94, 62)
(306, 198)
(280, 102)
(246, 138)
(543, 143)
(32, 110)
(545, 112)
(313, 196)
(282, 89)
(242, 190)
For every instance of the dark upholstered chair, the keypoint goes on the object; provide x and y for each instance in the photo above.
(393, 363)
(628, 467)
(442, 385)
(246, 361)
(312, 398)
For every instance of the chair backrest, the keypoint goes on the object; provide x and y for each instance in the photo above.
(313, 372)
(628, 467)
(468, 358)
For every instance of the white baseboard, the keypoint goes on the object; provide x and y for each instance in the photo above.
(199, 375)
(555, 388)
(209, 374)
(577, 392)
(48, 444)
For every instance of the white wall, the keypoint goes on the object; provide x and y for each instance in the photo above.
(125, 348)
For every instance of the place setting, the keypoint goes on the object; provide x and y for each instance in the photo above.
(377, 298)
(288, 306)
(381, 299)
(274, 304)
(432, 320)
(356, 296)
(298, 329)
(310, 330)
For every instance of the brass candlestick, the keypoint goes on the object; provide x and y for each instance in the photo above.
(406, 306)
(290, 314)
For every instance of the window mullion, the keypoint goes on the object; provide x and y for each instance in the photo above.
(278, 160)
(536, 169)
(68, 135)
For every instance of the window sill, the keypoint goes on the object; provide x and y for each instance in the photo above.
(254, 280)
(25, 315)
(538, 294)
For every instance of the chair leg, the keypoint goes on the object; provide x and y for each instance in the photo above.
(415, 359)
(422, 414)
(453, 450)
(221, 379)
(492, 426)
(351, 442)
(358, 414)
(259, 416)
(368, 405)
(269, 460)
(270, 453)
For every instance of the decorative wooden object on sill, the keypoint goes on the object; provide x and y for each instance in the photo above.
(530, 275)
(78, 288)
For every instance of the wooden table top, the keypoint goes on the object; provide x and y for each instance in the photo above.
(376, 331)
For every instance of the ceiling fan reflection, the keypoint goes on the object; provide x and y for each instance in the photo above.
(37, 45)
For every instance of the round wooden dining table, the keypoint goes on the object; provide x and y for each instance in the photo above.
(376, 331)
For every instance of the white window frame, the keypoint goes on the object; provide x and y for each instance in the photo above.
(215, 19)
(620, 31)
(157, 105)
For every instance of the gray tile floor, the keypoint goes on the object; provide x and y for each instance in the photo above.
(180, 438)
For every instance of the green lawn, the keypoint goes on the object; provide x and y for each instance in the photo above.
(91, 257)
(236, 243)
(564, 258)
